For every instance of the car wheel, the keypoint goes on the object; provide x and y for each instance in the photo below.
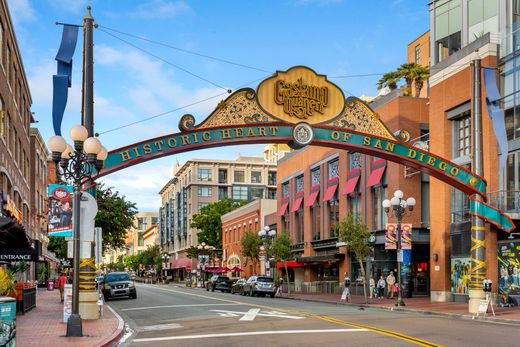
(207, 288)
(212, 288)
(242, 292)
(272, 295)
(134, 296)
(251, 293)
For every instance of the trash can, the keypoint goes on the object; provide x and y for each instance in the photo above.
(50, 285)
(7, 321)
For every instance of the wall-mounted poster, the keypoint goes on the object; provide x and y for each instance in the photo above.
(59, 215)
(508, 270)
(460, 275)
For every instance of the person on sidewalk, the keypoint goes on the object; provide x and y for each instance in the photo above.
(381, 284)
(372, 286)
(62, 280)
(390, 281)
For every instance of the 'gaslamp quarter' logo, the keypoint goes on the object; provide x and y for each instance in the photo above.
(299, 99)
(300, 94)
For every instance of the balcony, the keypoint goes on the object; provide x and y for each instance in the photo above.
(324, 244)
(297, 247)
(507, 201)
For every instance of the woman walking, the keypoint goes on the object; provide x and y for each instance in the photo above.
(381, 284)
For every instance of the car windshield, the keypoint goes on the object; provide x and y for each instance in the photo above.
(117, 277)
(265, 279)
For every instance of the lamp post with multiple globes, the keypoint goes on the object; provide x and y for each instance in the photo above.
(399, 208)
(76, 164)
(266, 234)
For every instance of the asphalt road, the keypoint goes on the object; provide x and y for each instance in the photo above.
(168, 315)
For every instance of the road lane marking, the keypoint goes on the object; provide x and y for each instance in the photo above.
(251, 314)
(157, 327)
(170, 306)
(389, 333)
(248, 333)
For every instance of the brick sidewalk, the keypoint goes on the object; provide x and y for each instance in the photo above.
(43, 326)
(417, 304)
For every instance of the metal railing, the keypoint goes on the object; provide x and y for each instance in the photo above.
(324, 287)
(505, 200)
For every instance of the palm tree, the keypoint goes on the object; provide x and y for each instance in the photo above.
(389, 80)
(422, 74)
(407, 71)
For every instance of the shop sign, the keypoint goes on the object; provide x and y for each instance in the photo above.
(9, 206)
(18, 255)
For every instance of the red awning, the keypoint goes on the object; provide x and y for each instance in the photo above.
(351, 185)
(297, 204)
(181, 263)
(312, 198)
(283, 208)
(289, 264)
(330, 192)
(375, 176)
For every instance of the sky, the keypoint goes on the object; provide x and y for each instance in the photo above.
(138, 79)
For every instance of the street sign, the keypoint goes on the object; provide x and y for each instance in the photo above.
(400, 256)
(253, 313)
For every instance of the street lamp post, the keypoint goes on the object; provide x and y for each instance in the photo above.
(76, 165)
(399, 206)
(165, 257)
(203, 247)
(266, 234)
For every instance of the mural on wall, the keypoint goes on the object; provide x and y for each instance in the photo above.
(509, 270)
(460, 275)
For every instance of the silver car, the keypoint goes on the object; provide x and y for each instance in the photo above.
(260, 285)
(118, 284)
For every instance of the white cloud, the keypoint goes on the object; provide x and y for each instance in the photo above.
(161, 9)
(21, 11)
(72, 6)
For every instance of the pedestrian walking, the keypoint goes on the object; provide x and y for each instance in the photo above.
(347, 287)
(390, 281)
(62, 281)
(381, 284)
(372, 286)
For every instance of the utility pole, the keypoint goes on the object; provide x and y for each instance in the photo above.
(478, 230)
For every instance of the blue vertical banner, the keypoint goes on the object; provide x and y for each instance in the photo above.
(62, 81)
(496, 112)
(59, 215)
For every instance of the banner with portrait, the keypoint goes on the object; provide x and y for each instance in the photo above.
(508, 270)
(460, 275)
(59, 214)
(391, 236)
(406, 236)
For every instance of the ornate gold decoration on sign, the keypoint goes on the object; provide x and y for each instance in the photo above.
(360, 117)
(300, 94)
(239, 108)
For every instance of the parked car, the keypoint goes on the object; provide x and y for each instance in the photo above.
(260, 285)
(99, 281)
(132, 275)
(222, 283)
(118, 284)
(238, 286)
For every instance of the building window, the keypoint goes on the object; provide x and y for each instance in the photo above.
(222, 176)
(482, 18)
(239, 176)
(256, 177)
(155, 220)
(459, 206)
(462, 136)
(315, 177)
(140, 240)
(271, 178)
(285, 190)
(271, 193)
(334, 215)
(333, 169)
(142, 223)
(315, 221)
(240, 193)
(354, 161)
(380, 218)
(204, 175)
(418, 54)
(299, 184)
(448, 25)
(299, 225)
(222, 193)
(204, 192)
(257, 192)
(354, 205)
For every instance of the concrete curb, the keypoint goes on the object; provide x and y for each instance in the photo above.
(425, 312)
(113, 340)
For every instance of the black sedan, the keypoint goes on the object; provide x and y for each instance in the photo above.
(222, 283)
(238, 286)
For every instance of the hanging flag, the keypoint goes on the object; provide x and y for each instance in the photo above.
(496, 113)
(63, 79)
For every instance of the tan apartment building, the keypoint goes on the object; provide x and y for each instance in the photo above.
(200, 182)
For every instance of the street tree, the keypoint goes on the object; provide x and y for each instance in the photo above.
(58, 245)
(280, 249)
(132, 262)
(115, 216)
(356, 236)
(209, 223)
(250, 243)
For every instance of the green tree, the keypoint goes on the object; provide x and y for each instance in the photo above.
(58, 245)
(389, 80)
(280, 249)
(209, 223)
(407, 71)
(132, 262)
(115, 215)
(421, 75)
(250, 243)
(356, 236)
(192, 252)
